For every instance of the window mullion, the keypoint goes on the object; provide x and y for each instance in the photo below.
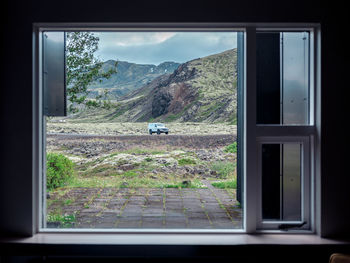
(250, 159)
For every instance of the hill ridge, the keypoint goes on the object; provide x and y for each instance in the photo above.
(200, 90)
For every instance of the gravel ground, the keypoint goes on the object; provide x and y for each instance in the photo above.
(138, 128)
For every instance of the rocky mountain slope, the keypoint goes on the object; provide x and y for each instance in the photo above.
(201, 90)
(129, 76)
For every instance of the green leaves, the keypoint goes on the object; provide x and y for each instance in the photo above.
(224, 169)
(232, 148)
(65, 221)
(83, 68)
(186, 161)
(230, 184)
(59, 170)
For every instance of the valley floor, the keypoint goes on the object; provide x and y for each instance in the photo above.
(136, 128)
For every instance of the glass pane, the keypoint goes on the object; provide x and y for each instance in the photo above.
(281, 182)
(291, 182)
(271, 182)
(150, 136)
(283, 78)
(295, 78)
(54, 74)
(268, 78)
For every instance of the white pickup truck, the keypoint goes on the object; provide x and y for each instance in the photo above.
(157, 128)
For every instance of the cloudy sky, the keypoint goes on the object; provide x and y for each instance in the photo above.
(157, 47)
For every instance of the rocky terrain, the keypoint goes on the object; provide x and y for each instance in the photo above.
(180, 157)
(201, 90)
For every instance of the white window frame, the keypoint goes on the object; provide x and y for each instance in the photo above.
(304, 182)
(257, 134)
(253, 133)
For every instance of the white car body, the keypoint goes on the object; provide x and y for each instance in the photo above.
(157, 128)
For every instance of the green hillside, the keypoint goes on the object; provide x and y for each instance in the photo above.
(201, 90)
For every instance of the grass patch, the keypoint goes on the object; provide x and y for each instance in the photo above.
(143, 151)
(186, 161)
(207, 110)
(232, 120)
(65, 221)
(224, 169)
(95, 181)
(101, 170)
(169, 181)
(130, 174)
(230, 184)
(183, 184)
(232, 148)
(137, 151)
(119, 110)
(67, 202)
(172, 117)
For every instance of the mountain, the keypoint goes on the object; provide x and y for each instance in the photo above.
(129, 76)
(201, 90)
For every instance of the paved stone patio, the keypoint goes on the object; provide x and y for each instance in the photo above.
(109, 207)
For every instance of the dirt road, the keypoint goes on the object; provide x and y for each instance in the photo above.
(124, 142)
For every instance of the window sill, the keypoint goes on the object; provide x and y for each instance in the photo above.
(184, 247)
(173, 239)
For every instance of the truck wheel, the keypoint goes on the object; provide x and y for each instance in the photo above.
(166, 132)
(150, 132)
(158, 132)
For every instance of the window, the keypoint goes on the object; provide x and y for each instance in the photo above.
(277, 122)
(283, 102)
(105, 170)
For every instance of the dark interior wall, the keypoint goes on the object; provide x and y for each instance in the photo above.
(16, 85)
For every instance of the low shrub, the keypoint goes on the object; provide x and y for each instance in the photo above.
(224, 169)
(59, 170)
(148, 159)
(64, 221)
(232, 148)
(185, 161)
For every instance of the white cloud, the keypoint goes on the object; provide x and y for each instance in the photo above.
(157, 47)
(110, 39)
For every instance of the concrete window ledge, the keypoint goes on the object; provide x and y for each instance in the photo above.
(179, 247)
(173, 239)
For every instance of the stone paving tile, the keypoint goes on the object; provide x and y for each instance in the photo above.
(220, 225)
(153, 214)
(170, 214)
(199, 223)
(179, 222)
(129, 224)
(153, 224)
(173, 203)
(151, 208)
(215, 216)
